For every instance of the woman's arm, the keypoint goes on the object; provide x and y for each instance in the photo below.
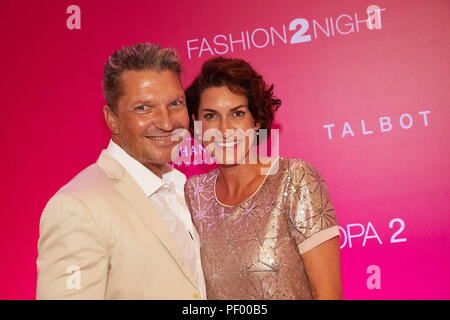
(323, 267)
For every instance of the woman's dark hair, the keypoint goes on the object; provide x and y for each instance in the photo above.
(240, 78)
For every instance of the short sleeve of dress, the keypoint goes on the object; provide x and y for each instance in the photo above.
(311, 216)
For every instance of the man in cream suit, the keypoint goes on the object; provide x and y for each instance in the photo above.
(121, 229)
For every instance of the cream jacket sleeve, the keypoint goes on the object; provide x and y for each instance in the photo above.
(73, 258)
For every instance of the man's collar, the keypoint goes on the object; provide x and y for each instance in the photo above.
(146, 179)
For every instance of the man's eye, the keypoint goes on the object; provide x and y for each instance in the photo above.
(175, 103)
(141, 108)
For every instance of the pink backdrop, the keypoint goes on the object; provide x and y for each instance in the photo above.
(368, 108)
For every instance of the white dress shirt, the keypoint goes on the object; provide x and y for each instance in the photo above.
(167, 195)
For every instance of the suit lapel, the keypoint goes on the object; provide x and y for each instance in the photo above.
(196, 236)
(131, 191)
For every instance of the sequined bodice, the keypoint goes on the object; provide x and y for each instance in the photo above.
(253, 250)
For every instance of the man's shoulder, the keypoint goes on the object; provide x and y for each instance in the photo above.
(90, 177)
(90, 183)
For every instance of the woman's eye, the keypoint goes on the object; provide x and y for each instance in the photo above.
(209, 116)
(239, 113)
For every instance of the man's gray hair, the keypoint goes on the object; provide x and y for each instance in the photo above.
(138, 57)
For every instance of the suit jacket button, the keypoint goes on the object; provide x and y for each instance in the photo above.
(196, 296)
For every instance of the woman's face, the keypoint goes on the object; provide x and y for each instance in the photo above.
(228, 128)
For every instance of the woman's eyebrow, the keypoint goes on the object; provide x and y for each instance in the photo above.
(209, 110)
(235, 108)
(231, 110)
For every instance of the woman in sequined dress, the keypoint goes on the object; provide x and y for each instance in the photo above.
(267, 227)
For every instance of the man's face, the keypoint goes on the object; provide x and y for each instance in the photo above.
(151, 108)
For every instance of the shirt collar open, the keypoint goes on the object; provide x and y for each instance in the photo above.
(146, 179)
